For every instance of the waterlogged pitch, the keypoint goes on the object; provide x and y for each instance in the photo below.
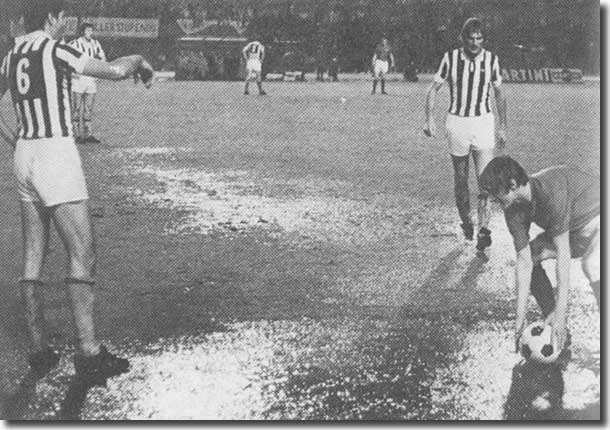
(298, 256)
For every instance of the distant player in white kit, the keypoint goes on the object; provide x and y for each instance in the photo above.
(84, 88)
(383, 60)
(254, 54)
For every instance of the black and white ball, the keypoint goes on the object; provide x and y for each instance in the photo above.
(536, 343)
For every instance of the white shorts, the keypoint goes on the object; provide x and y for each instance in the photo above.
(84, 84)
(49, 171)
(381, 67)
(466, 133)
(253, 66)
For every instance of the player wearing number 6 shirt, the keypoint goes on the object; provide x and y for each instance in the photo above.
(471, 72)
(254, 54)
(50, 179)
(84, 88)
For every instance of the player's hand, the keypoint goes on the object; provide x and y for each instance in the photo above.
(501, 138)
(430, 129)
(145, 74)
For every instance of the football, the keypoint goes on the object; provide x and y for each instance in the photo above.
(536, 343)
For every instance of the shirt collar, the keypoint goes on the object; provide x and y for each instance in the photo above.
(30, 37)
(479, 56)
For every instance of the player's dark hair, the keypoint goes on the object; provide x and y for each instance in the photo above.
(84, 26)
(35, 12)
(472, 25)
(497, 175)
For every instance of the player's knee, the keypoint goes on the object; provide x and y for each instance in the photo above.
(84, 262)
(590, 267)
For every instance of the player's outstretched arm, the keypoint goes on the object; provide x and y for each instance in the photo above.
(430, 126)
(121, 68)
(558, 318)
(523, 280)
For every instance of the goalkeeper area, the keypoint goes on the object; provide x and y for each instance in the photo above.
(299, 256)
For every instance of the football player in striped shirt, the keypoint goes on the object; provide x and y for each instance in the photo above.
(254, 54)
(382, 61)
(471, 73)
(50, 179)
(84, 87)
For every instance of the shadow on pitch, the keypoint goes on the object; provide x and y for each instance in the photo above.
(536, 393)
(73, 402)
(16, 406)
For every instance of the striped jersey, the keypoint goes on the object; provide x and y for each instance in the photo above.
(38, 71)
(254, 50)
(91, 48)
(469, 81)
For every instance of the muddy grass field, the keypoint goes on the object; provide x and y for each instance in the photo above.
(298, 256)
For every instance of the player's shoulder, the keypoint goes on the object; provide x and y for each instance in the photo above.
(450, 53)
(553, 172)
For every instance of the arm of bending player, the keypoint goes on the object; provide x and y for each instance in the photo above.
(121, 68)
(558, 318)
(430, 127)
(523, 280)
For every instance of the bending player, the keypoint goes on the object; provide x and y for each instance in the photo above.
(50, 179)
(254, 54)
(471, 71)
(565, 203)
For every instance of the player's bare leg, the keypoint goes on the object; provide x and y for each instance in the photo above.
(383, 84)
(375, 79)
(35, 229)
(74, 227)
(259, 82)
(36, 223)
(77, 115)
(462, 193)
(590, 264)
(246, 91)
(95, 364)
(481, 159)
(88, 102)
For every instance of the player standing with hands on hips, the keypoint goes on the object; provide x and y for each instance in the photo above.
(254, 54)
(383, 60)
(84, 87)
(470, 126)
(50, 178)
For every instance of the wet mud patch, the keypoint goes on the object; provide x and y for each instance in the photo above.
(304, 210)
